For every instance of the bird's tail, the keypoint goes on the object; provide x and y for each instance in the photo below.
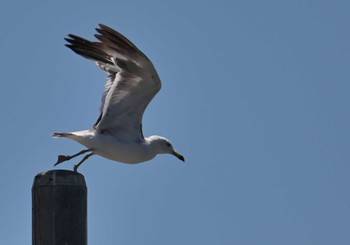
(62, 135)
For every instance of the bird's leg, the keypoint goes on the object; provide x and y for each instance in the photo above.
(63, 158)
(82, 160)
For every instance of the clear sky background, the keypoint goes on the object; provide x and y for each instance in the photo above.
(255, 96)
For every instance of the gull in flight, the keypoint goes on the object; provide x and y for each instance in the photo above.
(131, 85)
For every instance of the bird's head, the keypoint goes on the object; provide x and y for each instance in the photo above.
(163, 145)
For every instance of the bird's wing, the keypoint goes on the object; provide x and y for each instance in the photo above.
(131, 84)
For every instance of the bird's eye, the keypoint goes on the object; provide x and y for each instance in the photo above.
(168, 144)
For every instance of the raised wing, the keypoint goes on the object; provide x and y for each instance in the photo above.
(131, 85)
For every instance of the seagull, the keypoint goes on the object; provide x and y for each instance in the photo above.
(131, 84)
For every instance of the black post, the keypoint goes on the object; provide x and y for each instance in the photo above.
(59, 208)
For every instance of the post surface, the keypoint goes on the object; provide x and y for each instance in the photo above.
(59, 208)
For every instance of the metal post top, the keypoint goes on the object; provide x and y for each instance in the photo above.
(59, 177)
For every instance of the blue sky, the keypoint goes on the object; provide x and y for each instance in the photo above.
(255, 96)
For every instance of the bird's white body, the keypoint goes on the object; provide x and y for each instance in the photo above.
(111, 148)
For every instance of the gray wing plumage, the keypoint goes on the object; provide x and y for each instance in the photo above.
(131, 84)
